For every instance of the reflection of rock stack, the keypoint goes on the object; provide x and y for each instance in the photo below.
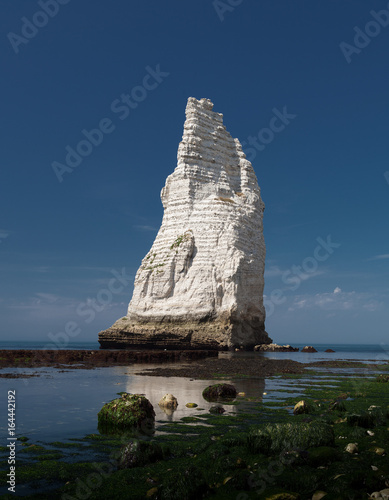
(201, 284)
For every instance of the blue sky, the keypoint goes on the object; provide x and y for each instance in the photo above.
(324, 177)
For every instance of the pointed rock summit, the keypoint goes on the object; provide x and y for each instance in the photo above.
(201, 284)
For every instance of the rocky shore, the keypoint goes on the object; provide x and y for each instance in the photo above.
(91, 359)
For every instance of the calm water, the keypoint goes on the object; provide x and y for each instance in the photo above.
(59, 405)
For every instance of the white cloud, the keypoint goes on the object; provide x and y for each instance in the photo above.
(145, 228)
(380, 257)
(337, 301)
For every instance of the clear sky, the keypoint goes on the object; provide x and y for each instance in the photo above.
(324, 175)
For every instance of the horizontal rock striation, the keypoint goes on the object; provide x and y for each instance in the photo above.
(201, 284)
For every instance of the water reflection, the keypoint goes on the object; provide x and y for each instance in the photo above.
(61, 405)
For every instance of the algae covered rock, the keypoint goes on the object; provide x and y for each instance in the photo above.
(129, 411)
(337, 405)
(137, 453)
(291, 436)
(184, 483)
(301, 407)
(218, 410)
(322, 455)
(219, 391)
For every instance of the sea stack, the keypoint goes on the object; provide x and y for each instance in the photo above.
(201, 284)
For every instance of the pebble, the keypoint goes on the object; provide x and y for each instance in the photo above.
(352, 448)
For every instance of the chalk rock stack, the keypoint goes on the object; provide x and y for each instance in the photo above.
(201, 284)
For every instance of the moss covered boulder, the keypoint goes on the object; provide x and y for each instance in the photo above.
(276, 438)
(219, 391)
(130, 411)
(138, 453)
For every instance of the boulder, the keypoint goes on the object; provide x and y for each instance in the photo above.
(129, 411)
(308, 348)
(138, 453)
(329, 350)
(201, 284)
(219, 391)
(218, 410)
(168, 401)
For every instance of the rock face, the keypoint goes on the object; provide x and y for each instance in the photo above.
(201, 284)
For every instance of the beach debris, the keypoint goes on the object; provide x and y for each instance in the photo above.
(352, 448)
(219, 391)
(168, 401)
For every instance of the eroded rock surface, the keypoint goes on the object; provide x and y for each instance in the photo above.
(201, 284)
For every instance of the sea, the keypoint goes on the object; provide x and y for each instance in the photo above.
(60, 404)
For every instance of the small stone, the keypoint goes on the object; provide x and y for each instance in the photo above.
(242, 394)
(379, 451)
(318, 495)
(371, 433)
(168, 401)
(352, 448)
(373, 467)
(191, 405)
(301, 407)
(151, 492)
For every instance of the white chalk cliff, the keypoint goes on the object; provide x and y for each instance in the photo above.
(201, 283)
